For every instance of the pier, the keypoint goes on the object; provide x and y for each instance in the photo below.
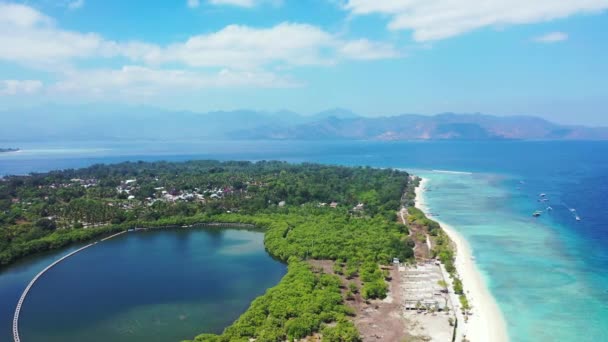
(202, 225)
(16, 337)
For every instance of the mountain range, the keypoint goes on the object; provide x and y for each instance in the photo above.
(58, 123)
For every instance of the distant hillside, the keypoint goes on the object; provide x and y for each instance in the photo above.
(448, 126)
(56, 123)
(338, 113)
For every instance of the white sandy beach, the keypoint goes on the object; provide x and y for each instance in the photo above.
(487, 323)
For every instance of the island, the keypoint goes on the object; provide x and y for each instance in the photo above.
(351, 237)
(6, 150)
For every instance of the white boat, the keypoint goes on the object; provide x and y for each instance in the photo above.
(578, 218)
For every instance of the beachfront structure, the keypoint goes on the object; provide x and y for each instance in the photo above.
(422, 289)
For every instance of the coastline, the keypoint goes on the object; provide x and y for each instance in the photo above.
(487, 322)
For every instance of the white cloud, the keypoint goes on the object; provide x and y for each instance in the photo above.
(439, 19)
(18, 87)
(29, 37)
(239, 3)
(245, 3)
(243, 47)
(76, 4)
(21, 16)
(193, 3)
(143, 81)
(552, 37)
(364, 49)
(235, 56)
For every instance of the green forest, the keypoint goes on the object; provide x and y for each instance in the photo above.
(308, 211)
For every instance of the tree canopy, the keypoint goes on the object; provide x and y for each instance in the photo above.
(42, 211)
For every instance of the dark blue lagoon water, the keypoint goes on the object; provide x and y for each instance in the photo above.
(547, 274)
(162, 285)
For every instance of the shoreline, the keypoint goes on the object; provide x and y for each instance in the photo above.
(487, 322)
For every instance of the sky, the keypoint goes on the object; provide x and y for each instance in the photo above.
(376, 57)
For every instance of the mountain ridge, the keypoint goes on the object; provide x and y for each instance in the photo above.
(444, 126)
(55, 123)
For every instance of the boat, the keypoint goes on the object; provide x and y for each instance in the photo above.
(542, 195)
(578, 218)
(537, 213)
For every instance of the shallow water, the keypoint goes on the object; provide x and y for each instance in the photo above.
(533, 267)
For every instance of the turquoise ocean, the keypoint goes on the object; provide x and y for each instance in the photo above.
(547, 274)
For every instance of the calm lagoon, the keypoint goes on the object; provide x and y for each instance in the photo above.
(157, 285)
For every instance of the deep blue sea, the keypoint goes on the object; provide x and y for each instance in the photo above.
(548, 274)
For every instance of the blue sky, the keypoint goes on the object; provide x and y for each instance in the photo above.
(375, 57)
